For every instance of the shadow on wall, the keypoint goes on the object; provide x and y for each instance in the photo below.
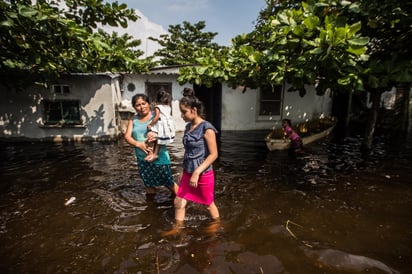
(95, 123)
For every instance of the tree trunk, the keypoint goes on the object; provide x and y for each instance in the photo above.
(371, 122)
(402, 98)
(341, 110)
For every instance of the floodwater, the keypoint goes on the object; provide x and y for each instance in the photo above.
(329, 210)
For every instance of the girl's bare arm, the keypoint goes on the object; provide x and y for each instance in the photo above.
(210, 137)
(155, 118)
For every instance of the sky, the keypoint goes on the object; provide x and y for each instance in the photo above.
(226, 17)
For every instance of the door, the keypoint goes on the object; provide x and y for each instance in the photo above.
(212, 100)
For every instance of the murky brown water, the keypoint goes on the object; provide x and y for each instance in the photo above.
(327, 211)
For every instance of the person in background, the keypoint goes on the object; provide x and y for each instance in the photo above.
(161, 124)
(155, 173)
(296, 141)
(197, 179)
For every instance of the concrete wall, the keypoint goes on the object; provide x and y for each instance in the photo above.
(240, 110)
(21, 112)
(103, 96)
(140, 83)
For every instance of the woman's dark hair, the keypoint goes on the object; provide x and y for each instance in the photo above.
(142, 96)
(190, 100)
(164, 97)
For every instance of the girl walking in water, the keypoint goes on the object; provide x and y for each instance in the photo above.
(197, 180)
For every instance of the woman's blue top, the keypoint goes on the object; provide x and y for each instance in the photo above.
(139, 133)
(195, 145)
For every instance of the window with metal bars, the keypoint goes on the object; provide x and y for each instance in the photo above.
(62, 112)
(270, 100)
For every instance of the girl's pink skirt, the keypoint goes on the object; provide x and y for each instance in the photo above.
(203, 193)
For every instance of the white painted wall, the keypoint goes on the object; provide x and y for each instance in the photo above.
(304, 108)
(140, 82)
(240, 110)
(21, 112)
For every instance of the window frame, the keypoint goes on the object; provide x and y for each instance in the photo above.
(61, 89)
(62, 106)
(278, 100)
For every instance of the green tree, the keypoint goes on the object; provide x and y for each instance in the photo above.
(300, 44)
(183, 41)
(342, 45)
(41, 40)
(388, 24)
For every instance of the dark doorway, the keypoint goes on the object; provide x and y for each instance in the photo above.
(152, 88)
(212, 99)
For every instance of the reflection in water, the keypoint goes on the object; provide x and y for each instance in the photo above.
(352, 213)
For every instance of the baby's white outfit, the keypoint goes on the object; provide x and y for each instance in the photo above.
(164, 127)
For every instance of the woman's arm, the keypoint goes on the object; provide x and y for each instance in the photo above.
(288, 132)
(210, 137)
(128, 137)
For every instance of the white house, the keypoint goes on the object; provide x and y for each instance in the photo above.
(76, 107)
(231, 109)
(81, 107)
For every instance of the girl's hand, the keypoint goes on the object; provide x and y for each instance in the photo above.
(151, 136)
(194, 179)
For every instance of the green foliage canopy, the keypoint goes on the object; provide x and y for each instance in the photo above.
(389, 25)
(45, 38)
(343, 45)
(183, 43)
(301, 44)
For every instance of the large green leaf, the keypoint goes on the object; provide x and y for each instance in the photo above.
(7, 23)
(359, 41)
(354, 28)
(311, 22)
(357, 50)
(27, 11)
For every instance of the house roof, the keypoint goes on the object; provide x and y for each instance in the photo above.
(167, 70)
(163, 70)
(108, 74)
